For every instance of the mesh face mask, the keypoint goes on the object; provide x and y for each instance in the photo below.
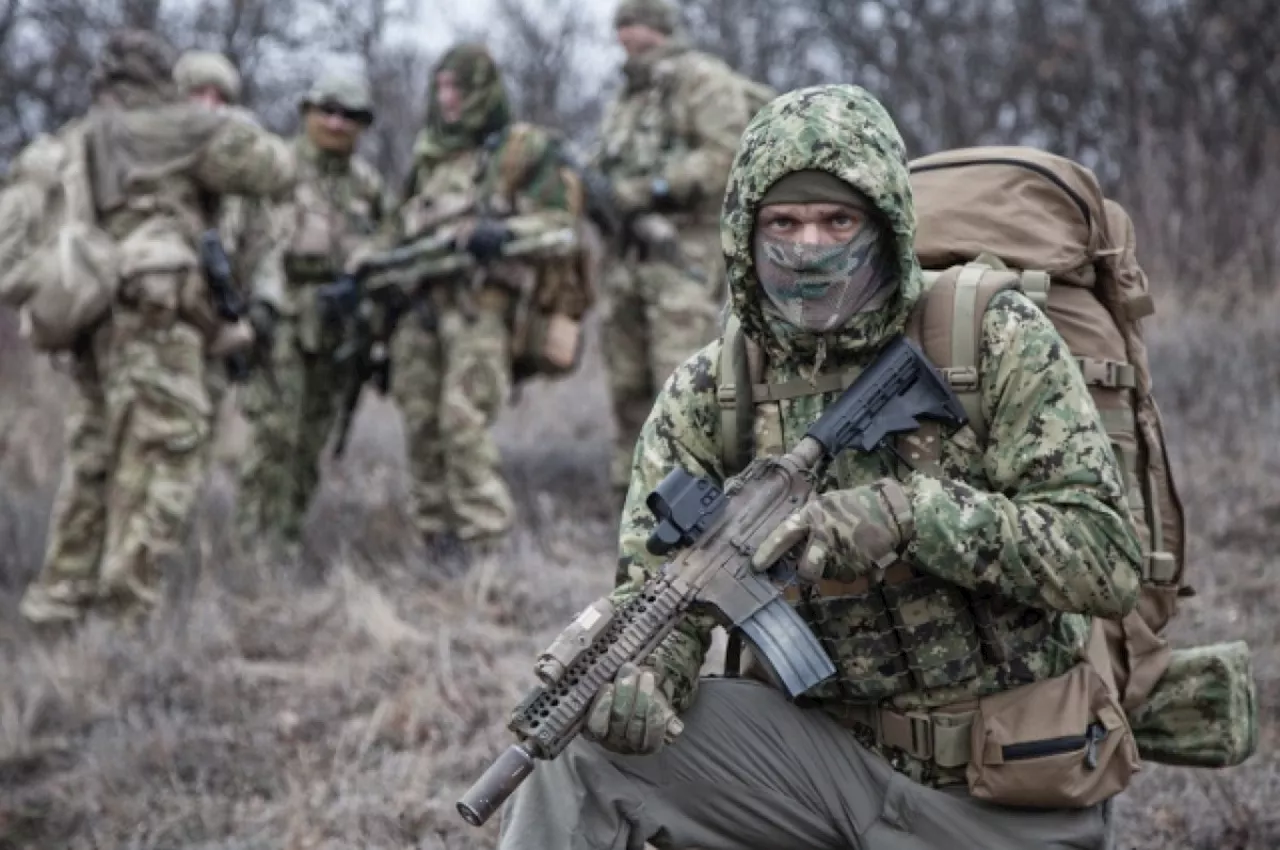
(820, 288)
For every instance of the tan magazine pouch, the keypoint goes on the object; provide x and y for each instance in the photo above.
(1059, 743)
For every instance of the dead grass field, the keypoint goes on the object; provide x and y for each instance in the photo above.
(346, 700)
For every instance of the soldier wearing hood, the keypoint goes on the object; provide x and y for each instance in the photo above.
(142, 414)
(291, 405)
(490, 180)
(1028, 523)
(665, 145)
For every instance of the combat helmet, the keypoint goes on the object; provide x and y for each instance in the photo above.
(199, 68)
(348, 92)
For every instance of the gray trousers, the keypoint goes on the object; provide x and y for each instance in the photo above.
(753, 772)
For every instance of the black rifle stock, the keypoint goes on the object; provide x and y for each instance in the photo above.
(713, 534)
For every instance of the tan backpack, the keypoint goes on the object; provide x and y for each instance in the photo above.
(61, 270)
(991, 219)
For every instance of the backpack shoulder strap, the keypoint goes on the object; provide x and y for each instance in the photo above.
(947, 323)
(734, 395)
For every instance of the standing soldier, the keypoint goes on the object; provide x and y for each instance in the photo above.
(139, 431)
(244, 224)
(494, 181)
(666, 146)
(291, 406)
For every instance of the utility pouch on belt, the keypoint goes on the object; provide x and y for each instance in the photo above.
(1058, 743)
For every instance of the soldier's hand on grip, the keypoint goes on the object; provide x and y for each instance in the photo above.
(633, 716)
(843, 534)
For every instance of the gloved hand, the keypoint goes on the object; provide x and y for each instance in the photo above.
(633, 715)
(340, 297)
(487, 238)
(845, 533)
(633, 195)
(264, 319)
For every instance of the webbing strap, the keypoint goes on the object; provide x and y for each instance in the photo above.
(800, 387)
(938, 737)
(1035, 285)
(733, 374)
(1113, 374)
(964, 339)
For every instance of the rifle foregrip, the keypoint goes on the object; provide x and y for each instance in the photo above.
(497, 783)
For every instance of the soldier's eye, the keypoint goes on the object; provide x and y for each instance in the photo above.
(843, 221)
(781, 223)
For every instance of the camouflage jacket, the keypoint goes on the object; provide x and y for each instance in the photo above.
(1032, 520)
(336, 209)
(678, 117)
(517, 175)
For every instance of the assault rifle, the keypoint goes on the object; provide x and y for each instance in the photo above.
(384, 286)
(714, 533)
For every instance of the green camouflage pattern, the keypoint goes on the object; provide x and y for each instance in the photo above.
(1204, 710)
(678, 118)
(846, 534)
(336, 209)
(1033, 519)
(485, 108)
(452, 370)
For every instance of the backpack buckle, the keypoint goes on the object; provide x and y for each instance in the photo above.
(963, 379)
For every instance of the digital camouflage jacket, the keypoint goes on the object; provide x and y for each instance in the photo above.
(1031, 521)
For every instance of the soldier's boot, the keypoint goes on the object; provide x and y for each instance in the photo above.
(54, 605)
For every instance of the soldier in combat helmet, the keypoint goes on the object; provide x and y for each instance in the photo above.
(291, 407)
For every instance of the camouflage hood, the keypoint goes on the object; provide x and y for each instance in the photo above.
(135, 68)
(844, 131)
(484, 108)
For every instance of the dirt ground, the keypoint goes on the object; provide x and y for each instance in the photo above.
(348, 698)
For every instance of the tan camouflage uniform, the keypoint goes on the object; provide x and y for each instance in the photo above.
(452, 369)
(138, 434)
(291, 407)
(677, 120)
(245, 224)
(1032, 519)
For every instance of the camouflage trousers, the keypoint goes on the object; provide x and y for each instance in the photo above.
(450, 383)
(137, 452)
(655, 317)
(290, 410)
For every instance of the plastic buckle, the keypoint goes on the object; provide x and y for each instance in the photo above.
(963, 379)
(921, 725)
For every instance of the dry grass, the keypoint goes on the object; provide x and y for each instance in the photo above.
(346, 701)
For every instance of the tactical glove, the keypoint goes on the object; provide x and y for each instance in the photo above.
(339, 298)
(487, 238)
(633, 715)
(844, 534)
(633, 195)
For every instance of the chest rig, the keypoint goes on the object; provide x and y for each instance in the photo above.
(910, 631)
